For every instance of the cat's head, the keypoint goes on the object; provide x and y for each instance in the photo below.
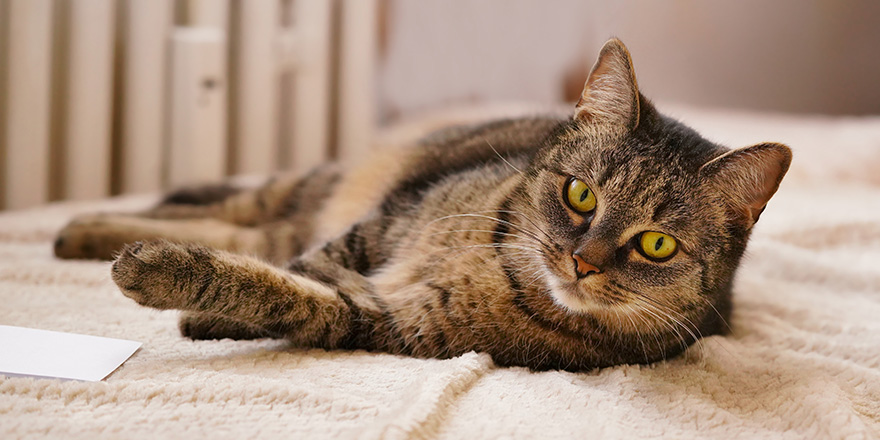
(650, 218)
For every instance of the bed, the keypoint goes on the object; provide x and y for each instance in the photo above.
(803, 359)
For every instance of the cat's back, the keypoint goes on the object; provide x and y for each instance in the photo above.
(415, 166)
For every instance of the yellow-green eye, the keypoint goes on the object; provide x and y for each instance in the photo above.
(657, 246)
(580, 197)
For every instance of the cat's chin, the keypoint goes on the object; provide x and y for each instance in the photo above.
(576, 299)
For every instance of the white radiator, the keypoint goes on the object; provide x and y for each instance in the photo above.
(101, 97)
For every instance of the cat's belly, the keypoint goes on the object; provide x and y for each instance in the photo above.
(362, 188)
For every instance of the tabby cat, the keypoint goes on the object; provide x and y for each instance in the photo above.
(606, 238)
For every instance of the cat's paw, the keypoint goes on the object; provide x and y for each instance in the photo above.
(202, 327)
(88, 236)
(163, 275)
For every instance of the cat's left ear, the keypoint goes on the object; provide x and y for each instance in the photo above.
(748, 177)
(611, 95)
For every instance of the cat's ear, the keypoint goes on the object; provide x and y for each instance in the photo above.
(611, 95)
(748, 177)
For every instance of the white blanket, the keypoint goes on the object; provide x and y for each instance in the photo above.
(803, 360)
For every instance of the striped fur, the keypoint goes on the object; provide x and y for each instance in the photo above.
(464, 241)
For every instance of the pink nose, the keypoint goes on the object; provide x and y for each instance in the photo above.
(582, 267)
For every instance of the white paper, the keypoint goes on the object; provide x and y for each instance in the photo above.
(43, 353)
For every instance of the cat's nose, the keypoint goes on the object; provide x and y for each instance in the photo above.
(582, 268)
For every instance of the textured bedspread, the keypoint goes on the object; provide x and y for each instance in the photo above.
(803, 360)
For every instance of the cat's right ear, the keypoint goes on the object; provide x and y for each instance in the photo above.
(748, 177)
(611, 94)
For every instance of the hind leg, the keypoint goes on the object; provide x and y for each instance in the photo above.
(101, 236)
(274, 221)
(195, 212)
(281, 196)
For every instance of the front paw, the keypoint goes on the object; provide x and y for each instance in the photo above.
(163, 275)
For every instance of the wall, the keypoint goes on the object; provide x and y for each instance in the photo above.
(787, 55)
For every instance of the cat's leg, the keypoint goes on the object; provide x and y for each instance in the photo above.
(193, 278)
(238, 205)
(101, 236)
(282, 196)
(209, 326)
(274, 221)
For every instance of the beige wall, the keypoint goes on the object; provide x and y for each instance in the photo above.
(787, 55)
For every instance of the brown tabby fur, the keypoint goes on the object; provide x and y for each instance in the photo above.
(465, 242)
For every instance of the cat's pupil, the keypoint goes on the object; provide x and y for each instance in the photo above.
(584, 195)
(659, 244)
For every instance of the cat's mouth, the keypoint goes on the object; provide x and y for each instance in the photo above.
(582, 294)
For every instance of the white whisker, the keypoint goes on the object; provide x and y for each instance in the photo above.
(502, 157)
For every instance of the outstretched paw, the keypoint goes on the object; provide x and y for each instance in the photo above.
(163, 275)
